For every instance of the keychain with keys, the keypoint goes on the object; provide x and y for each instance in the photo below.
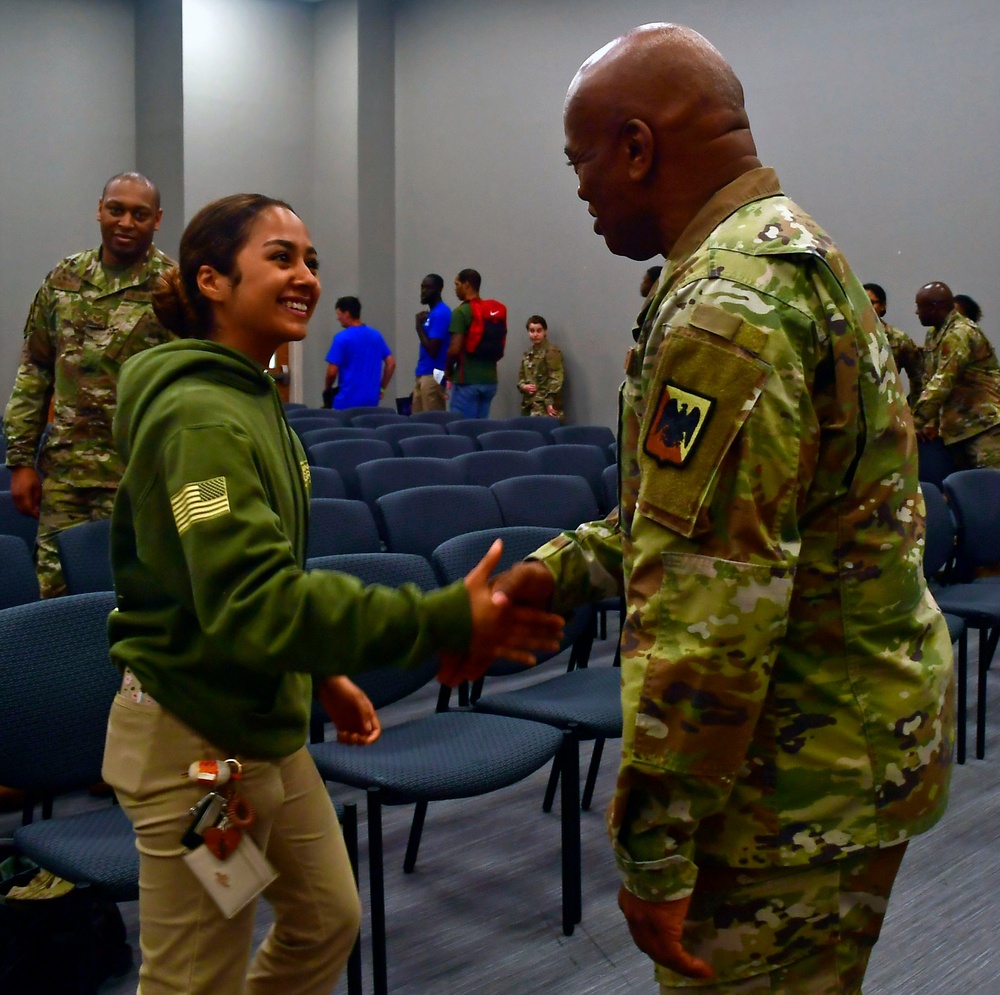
(223, 836)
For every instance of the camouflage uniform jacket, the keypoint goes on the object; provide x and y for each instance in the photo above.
(542, 365)
(786, 676)
(961, 392)
(84, 323)
(909, 357)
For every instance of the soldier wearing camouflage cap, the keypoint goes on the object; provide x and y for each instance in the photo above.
(92, 312)
(786, 676)
(960, 400)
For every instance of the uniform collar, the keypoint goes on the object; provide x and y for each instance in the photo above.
(755, 184)
(111, 281)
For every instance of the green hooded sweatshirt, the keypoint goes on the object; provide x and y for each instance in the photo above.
(216, 616)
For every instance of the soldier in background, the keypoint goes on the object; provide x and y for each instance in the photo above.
(908, 355)
(541, 378)
(967, 307)
(91, 314)
(786, 675)
(960, 400)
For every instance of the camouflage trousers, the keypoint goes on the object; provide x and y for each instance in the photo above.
(981, 450)
(63, 506)
(787, 931)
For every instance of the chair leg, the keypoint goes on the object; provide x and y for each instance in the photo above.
(349, 825)
(595, 766)
(444, 698)
(550, 788)
(960, 694)
(570, 820)
(317, 729)
(416, 831)
(376, 885)
(988, 639)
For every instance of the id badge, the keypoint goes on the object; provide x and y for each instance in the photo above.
(235, 882)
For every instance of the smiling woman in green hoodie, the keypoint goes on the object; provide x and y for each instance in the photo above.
(220, 634)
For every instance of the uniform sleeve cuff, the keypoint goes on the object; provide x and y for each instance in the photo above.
(660, 880)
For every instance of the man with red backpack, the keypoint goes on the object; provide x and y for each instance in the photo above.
(478, 335)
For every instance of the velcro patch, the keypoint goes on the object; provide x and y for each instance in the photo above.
(306, 473)
(199, 502)
(678, 422)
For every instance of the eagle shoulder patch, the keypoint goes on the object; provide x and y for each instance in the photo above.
(678, 423)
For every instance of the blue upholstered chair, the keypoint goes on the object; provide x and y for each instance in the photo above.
(436, 446)
(587, 435)
(326, 483)
(487, 467)
(344, 456)
(376, 419)
(418, 520)
(338, 525)
(436, 417)
(443, 755)
(85, 555)
(400, 473)
(474, 427)
(395, 432)
(511, 438)
(541, 424)
(549, 500)
(56, 688)
(12, 522)
(575, 459)
(18, 579)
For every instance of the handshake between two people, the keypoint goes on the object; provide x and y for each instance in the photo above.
(510, 618)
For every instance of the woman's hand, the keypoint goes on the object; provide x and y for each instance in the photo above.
(349, 710)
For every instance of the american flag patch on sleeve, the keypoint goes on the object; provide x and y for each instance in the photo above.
(199, 502)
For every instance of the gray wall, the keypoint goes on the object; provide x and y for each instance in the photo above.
(59, 62)
(425, 135)
(877, 115)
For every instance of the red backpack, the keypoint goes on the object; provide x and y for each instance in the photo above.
(487, 335)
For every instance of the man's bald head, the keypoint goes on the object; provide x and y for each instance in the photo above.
(934, 303)
(663, 112)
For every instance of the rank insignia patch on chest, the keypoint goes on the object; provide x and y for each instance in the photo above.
(678, 423)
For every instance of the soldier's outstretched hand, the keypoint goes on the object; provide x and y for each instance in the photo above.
(501, 627)
(527, 583)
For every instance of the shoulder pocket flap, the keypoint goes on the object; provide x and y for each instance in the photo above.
(702, 393)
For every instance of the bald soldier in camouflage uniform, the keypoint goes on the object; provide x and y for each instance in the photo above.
(540, 380)
(786, 676)
(91, 314)
(960, 400)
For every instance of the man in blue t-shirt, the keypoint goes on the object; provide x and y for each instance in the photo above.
(359, 357)
(432, 327)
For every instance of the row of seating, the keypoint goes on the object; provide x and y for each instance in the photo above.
(430, 440)
(416, 520)
(367, 469)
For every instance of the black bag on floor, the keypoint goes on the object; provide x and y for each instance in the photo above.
(61, 945)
